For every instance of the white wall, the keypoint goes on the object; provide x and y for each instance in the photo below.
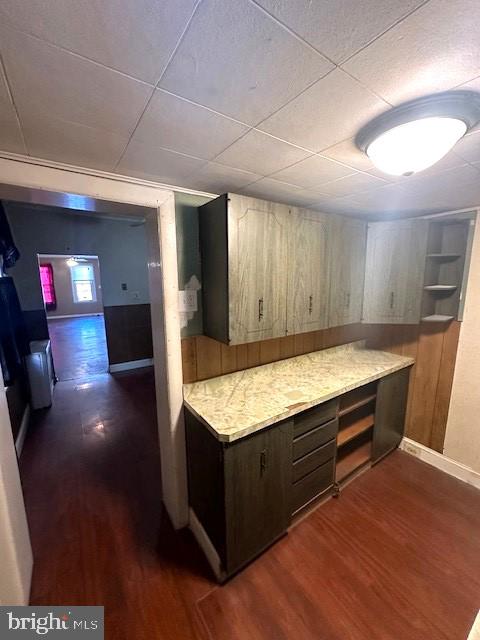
(15, 552)
(462, 439)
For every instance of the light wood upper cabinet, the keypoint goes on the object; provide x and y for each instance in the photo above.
(244, 245)
(308, 272)
(347, 249)
(394, 272)
(257, 263)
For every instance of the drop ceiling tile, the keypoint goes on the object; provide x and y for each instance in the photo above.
(240, 62)
(352, 184)
(468, 147)
(10, 135)
(177, 124)
(331, 110)
(217, 178)
(345, 206)
(134, 37)
(73, 143)
(150, 162)
(261, 154)
(48, 81)
(312, 172)
(273, 190)
(339, 28)
(434, 49)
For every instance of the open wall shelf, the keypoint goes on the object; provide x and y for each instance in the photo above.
(446, 249)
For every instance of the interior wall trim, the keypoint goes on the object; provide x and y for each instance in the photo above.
(132, 364)
(22, 432)
(73, 315)
(438, 460)
(201, 536)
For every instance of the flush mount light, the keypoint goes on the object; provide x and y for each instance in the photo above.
(417, 134)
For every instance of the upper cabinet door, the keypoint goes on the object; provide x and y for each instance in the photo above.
(308, 272)
(257, 261)
(347, 248)
(394, 272)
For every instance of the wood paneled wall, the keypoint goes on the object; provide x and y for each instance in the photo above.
(434, 348)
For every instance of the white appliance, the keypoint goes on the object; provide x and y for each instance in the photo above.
(40, 373)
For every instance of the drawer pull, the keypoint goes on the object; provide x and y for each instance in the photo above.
(310, 305)
(260, 309)
(263, 462)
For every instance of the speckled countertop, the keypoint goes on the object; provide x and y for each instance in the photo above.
(240, 403)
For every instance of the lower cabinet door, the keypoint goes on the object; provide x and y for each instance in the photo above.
(258, 475)
(390, 410)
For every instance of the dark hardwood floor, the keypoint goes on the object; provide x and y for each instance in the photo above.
(79, 346)
(396, 557)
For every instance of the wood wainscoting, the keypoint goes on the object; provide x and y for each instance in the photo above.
(433, 346)
(129, 333)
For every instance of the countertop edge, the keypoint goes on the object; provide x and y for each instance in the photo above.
(303, 407)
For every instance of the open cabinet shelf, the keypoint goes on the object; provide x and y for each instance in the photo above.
(443, 256)
(437, 317)
(444, 265)
(354, 429)
(353, 461)
(440, 287)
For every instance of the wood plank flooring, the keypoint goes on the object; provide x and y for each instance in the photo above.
(396, 557)
(79, 346)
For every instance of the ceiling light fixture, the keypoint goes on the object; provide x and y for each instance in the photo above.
(417, 134)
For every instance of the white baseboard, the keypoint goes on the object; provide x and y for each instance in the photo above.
(132, 364)
(22, 432)
(75, 315)
(438, 460)
(205, 544)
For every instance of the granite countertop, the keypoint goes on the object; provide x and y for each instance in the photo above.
(238, 404)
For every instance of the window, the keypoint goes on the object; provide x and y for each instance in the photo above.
(83, 283)
(48, 287)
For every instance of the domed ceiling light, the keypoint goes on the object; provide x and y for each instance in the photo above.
(417, 134)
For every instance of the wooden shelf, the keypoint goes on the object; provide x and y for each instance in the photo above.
(357, 405)
(436, 317)
(353, 461)
(443, 256)
(355, 429)
(440, 287)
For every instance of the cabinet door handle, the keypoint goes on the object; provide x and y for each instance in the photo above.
(392, 299)
(263, 462)
(310, 305)
(260, 309)
(348, 300)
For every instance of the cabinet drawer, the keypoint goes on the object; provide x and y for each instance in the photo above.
(312, 460)
(312, 485)
(314, 438)
(308, 420)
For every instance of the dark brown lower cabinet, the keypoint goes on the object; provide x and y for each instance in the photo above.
(245, 493)
(390, 410)
(240, 491)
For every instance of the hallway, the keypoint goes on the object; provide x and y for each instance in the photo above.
(79, 346)
(397, 557)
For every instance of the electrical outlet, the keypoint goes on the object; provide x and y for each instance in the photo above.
(187, 301)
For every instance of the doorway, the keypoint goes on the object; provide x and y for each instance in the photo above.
(72, 295)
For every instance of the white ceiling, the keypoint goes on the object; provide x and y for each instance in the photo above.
(261, 97)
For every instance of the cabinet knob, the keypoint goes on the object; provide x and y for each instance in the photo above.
(310, 305)
(260, 309)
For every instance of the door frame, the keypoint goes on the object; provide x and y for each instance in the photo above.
(42, 182)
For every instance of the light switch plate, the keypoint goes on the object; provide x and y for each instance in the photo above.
(187, 301)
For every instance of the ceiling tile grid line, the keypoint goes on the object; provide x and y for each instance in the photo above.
(182, 35)
(4, 77)
(285, 26)
(69, 52)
